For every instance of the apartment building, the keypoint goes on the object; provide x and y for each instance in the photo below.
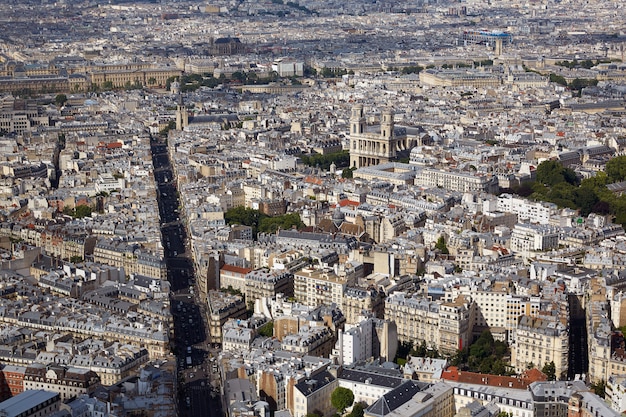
(368, 384)
(446, 326)
(320, 287)
(535, 212)
(527, 238)
(131, 257)
(312, 393)
(233, 277)
(357, 301)
(68, 382)
(498, 308)
(313, 341)
(369, 338)
(599, 331)
(461, 181)
(31, 403)
(267, 283)
(455, 325)
(222, 307)
(587, 404)
(14, 379)
(539, 341)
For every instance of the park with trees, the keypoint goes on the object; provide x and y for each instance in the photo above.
(557, 184)
(260, 222)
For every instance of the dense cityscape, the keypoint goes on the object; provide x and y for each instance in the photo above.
(313, 208)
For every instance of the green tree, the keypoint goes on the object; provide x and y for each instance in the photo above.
(341, 398)
(485, 355)
(550, 370)
(267, 329)
(76, 259)
(341, 159)
(559, 79)
(348, 173)
(83, 211)
(616, 169)
(152, 81)
(358, 410)
(552, 172)
(599, 388)
(79, 211)
(580, 83)
(239, 76)
(284, 222)
(441, 245)
(60, 99)
(107, 85)
(412, 69)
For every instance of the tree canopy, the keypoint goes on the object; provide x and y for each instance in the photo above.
(79, 211)
(358, 410)
(60, 99)
(260, 222)
(267, 329)
(341, 159)
(552, 173)
(441, 245)
(560, 186)
(550, 370)
(616, 169)
(341, 398)
(485, 355)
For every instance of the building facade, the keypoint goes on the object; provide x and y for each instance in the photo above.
(373, 145)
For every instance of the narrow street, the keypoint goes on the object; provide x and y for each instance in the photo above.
(196, 395)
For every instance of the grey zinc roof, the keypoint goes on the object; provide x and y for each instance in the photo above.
(28, 399)
(394, 398)
(373, 378)
(310, 385)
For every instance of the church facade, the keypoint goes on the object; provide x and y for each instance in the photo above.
(376, 144)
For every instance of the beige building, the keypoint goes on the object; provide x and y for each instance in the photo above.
(452, 78)
(267, 283)
(461, 181)
(120, 254)
(527, 238)
(455, 325)
(443, 326)
(601, 364)
(68, 382)
(222, 307)
(320, 287)
(359, 300)
(311, 394)
(150, 77)
(378, 144)
(311, 341)
(498, 309)
(233, 277)
(539, 341)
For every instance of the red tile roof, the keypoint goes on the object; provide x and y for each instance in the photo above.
(521, 382)
(312, 180)
(236, 269)
(344, 203)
